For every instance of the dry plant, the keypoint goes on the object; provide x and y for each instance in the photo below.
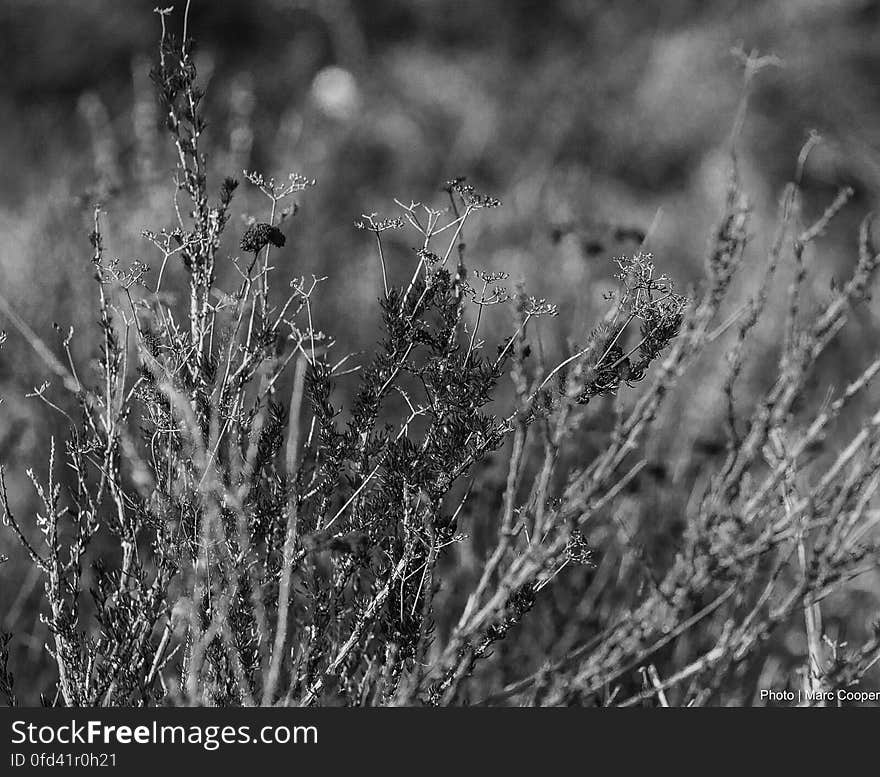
(267, 550)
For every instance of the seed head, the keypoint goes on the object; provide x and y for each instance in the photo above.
(578, 550)
(257, 236)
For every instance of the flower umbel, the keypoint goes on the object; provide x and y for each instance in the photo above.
(257, 236)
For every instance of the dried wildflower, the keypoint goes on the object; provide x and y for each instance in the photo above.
(491, 277)
(258, 236)
(227, 190)
(535, 307)
(518, 605)
(429, 257)
(316, 549)
(577, 550)
(472, 198)
(278, 191)
(373, 224)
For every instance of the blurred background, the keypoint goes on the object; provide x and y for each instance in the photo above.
(594, 122)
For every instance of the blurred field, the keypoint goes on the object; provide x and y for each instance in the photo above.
(593, 122)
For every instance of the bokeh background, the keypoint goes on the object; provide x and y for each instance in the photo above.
(594, 122)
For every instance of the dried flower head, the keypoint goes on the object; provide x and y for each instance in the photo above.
(471, 197)
(371, 222)
(577, 550)
(258, 236)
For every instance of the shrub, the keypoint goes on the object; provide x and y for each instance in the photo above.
(268, 546)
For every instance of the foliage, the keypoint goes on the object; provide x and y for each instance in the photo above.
(277, 548)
